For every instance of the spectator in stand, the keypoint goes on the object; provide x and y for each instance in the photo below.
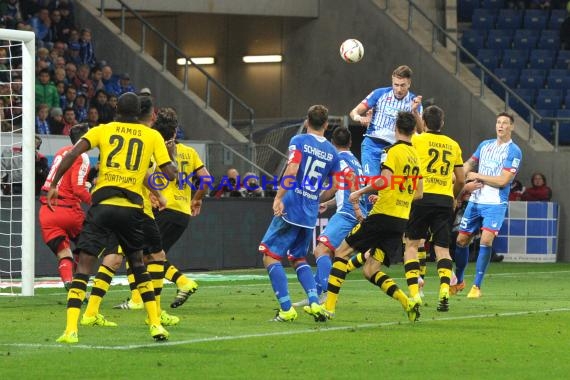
(59, 75)
(46, 93)
(539, 4)
(55, 121)
(66, 10)
(97, 78)
(41, 24)
(4, 71)
(517, 189)
(252, 187)
(42, 124)
(82, 81)
(87, 51)
(538, 191)
(228, 186)
(59, 63)
(80, 107)
(92, 117)
(11, 11)
(59, 31)
(72, 53)
(11, 170)
(70, 73)
(108, 79)
(68, 120)
(124, 85)
(59, 47)
(105, 110)
(113, 100)
(60, 87)
(43, 60)
(68, 100)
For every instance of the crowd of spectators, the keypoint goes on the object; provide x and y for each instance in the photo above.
(69, 77)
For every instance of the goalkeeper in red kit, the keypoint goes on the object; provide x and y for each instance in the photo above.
(61, 226)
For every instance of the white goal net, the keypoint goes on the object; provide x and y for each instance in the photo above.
(17, 162)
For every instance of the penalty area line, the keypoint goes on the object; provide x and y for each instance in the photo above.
(323, 328)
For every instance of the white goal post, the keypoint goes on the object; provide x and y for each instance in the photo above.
(17, 239)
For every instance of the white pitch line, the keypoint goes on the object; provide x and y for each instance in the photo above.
(320, 328)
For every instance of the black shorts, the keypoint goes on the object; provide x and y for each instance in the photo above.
(382, 232)
(433, 218)
(107, 226)
(171, 225)
(152, 238)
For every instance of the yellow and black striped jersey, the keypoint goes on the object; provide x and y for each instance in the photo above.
(439, 156)
(126, 151)
(395, 198)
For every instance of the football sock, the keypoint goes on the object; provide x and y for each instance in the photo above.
(172, 274)
(324, 265)
(444, 267)
(336, 279)
(135, 295)
(482, 262)
(355, 262)
(65, 269)
(422, 258)
(156, 271)
(280, 286)
(412, 268)
(144, 285)
(75, 298)
(305, 277)
(388, 286)
(101, 285)
(461, 261)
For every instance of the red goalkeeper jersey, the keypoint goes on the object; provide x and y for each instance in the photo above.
(71, 188)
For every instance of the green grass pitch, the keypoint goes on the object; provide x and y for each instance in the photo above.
(519, 329)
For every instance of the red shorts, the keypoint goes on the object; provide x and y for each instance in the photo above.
(60, 226)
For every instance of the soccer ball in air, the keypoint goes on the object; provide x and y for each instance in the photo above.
(351, 50)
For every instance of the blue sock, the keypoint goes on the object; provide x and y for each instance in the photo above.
(324, 265)
(482, 262)
(461, 260)
(280, 286)
(305, 277)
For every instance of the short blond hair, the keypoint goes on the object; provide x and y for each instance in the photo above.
(402, 72)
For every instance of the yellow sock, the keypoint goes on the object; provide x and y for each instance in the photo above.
(336, 279)
(101, 285)
(389, 286)
(422, 255)
(144, 285)
(156, 271)
(172, 274)
(75, 298)
(412, 268)
(444, 267)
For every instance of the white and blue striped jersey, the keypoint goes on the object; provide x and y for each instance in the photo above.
(493, 158)
(318, 161)
(349, 164)
(385, 107)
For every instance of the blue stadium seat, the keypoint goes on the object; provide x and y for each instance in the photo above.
(465, 9)
(546, 102)
(563, 60)
(545, 129)
(499, 39)
(509, 19)
(528, 96)
(550, 92)
(549, 39)
(515, 58)
(532, 78)
(525, 39)
(483, 19)
(558, 82)
(567, 100)
(493, 4)
(510, 77)
(541, 59)
(472, 40)
(556, 19)
(535, 19)
(489, 57)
